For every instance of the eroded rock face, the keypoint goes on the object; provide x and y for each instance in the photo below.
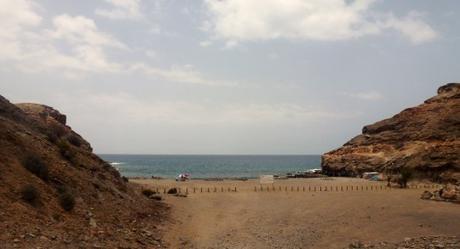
(425, 138)
(50, 180)
(43, 111)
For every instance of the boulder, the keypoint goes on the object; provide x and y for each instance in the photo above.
(450, 192)
(172, 191)
(426, 195)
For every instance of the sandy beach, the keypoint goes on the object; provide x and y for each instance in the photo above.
(297, 216)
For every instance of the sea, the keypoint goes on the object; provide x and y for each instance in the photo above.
(211, 166)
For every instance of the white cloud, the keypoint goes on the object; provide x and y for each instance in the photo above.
(241, 20)
(206, 43)
(184, 74)
(81, 30)
(412, 27)
(121, 9)
(371, 95)
(183, 113)
(73, 46)
(16, 17)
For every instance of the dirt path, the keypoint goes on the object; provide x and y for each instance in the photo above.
(250, 219)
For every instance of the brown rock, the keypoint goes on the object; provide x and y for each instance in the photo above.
(425, 139)
(426, 195)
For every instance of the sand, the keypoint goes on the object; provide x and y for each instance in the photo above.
(300, 219)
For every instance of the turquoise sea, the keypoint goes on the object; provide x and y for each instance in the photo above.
(210, 166)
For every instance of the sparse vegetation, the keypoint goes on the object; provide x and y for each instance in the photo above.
(66, 150)
(66, 198)
(148, 192)
(74, 140)
(30, 194)
(52, 137)
(405, 175)
(36, 166)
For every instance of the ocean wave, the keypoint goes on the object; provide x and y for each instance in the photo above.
(116, 163)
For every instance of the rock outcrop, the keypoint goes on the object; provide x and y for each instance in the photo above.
(424, 139)
(449, 192)
(55, 193)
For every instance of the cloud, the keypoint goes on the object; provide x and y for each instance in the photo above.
(15, 17)
(121, 9)
(81, 30)
(183, 113)
(372, 95)
(73, 46)
(412, 27)
(206, 43)
(184, 74)
(240, 20)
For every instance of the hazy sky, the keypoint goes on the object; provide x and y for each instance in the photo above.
(226, 76)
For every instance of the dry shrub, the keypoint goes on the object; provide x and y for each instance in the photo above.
(36, 166)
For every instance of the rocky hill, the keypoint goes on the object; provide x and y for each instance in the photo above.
(55, 193)
(424, 139)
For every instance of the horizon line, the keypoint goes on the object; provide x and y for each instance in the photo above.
(217, 154)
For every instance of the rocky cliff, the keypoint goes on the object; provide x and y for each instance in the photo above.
(55, 193)
(424, 139)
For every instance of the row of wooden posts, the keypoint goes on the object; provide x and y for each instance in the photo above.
(289, 189)
(333, 188)
(198, 190)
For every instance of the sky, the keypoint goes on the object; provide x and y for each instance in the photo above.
(226, 76)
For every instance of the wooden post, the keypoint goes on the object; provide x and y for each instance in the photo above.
(297, 188)
(193, 189)
(208, 190)
(222, 189)
(255, 189)
(303, 188)
(309, 188)
(186, 190)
